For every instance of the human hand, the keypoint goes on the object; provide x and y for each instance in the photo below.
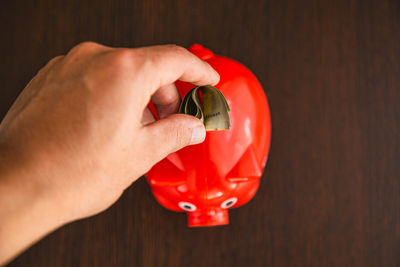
(80, 133)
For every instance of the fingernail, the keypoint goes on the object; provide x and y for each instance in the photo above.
(198, 135)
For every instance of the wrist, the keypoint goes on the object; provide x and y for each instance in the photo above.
(27, 213)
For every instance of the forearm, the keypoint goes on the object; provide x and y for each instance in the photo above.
(26, 214)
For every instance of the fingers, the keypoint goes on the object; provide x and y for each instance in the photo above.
(170, 63)
(148, 117)
(166, 100)
(171, 134)
(154, 68)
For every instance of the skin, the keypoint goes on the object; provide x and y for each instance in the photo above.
(80, 133)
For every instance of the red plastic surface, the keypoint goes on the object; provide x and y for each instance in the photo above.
(223, 172)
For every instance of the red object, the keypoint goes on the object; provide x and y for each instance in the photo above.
(223, 172)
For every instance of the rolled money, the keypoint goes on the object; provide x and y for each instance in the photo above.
(211, 107)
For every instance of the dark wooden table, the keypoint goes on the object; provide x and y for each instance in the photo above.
(330, 195)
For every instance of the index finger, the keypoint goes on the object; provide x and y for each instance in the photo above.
(169, 63)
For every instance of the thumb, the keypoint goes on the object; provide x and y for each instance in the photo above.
(173, 133)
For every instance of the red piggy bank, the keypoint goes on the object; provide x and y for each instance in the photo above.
(223, 172)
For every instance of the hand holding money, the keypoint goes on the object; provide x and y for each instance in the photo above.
(81, 120)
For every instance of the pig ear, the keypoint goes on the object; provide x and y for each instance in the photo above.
(247, 168)
(168, 173)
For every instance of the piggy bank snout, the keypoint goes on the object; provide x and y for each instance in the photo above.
(208, 217)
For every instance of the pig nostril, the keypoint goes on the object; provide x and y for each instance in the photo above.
(229, 202)
(186, 206)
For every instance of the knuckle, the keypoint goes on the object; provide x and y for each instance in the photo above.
(121, 59)
(87, 45)
(170, 99)
(83, 48)
(178, 49)
(166, 97)
(54, 60)
(179, 137)
(57, 58)
(50, 63)
(173, 50)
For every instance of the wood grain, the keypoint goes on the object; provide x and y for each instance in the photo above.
(330, 195)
